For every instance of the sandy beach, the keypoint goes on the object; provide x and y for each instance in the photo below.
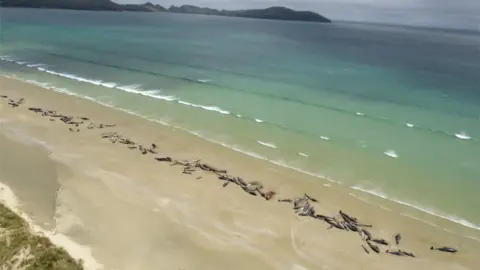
(126, 210)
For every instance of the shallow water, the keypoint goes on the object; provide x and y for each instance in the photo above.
(391, 111)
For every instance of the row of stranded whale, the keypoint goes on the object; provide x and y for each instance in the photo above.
(302, 205)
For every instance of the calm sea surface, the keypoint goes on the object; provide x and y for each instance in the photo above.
(391, 111)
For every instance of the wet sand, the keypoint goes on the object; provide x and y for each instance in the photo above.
(137, 213)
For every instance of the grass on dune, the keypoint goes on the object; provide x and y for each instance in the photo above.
(21, 249)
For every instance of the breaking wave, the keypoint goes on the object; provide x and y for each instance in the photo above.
(271, 145)
(432, 212)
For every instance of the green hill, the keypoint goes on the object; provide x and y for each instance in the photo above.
(272, 13)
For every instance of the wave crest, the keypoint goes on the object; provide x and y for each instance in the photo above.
(452, 218)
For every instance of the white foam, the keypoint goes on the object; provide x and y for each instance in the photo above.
(6, 58)
(70, 76)
(41, 84)
(432, 212)
(462, 136)
(325, 138)
(35, 65)
(204, 80)
(327, 185)
(232, 147)
(239, 116)
(258, 120)
(283, 164)
(131, 89)
(271, 145)
(409, 125)
(276, 162)
(303, 154)
(208, 108)
(391, 153)
(136, 89)
(360, 114)
(108, 84)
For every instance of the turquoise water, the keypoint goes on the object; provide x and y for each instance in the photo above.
(393, 111)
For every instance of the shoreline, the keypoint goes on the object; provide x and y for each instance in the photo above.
(378, 195)
(426, 206)
(179, 145)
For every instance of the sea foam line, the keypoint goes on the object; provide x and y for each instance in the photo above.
(258, 156)
(208, 108)
(129, 88)
(271, 145)
(462, 136)
(204, 80)
(232, 147)
(150, 93)
(279, 163)
(136, 89)
(369, 202)
(451, 218)
(391, 153)
(235, 148)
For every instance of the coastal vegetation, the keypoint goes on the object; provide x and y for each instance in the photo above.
(22, 249)
(271, 13)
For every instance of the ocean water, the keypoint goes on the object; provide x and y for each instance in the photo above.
(388, 111)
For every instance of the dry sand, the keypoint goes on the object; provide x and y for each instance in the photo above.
(133, 212)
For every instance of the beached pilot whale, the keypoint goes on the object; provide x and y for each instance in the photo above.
(380, 241)
(398, 237)
(445, 249)
(373, 247)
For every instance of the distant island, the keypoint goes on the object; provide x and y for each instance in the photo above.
(271, 13)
